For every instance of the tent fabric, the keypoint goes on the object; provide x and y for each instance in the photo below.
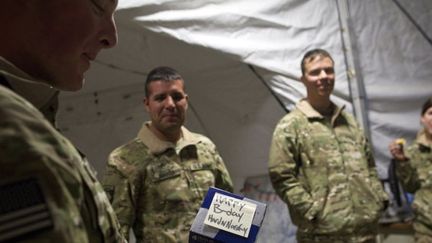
(240, 58)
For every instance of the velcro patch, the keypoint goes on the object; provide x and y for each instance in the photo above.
(23, 210)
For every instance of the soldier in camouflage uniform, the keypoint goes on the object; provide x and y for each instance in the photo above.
(158, 180)
(48, 193)
(321, 164)
(414, 169)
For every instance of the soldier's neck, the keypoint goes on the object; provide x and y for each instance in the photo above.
(323, 106)
(168, 136)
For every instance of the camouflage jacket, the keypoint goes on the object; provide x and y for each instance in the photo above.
(416, 177)
(48, 193)
(157, 187)
(324, 170)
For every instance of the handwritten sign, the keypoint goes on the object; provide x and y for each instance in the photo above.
(230, 214)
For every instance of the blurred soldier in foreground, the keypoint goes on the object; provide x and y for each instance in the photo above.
(414, 170)
(47, 191)
(158, 180)
(321, 164)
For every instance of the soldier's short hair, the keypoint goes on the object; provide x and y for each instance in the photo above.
(426, 106)
(162, 73)
(310, 56)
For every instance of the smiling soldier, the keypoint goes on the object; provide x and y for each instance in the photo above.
(158, 180)
(321, 164)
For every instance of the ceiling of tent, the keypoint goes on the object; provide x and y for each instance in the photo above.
(240, 60)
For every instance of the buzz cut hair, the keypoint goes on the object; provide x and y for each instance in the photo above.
(311, 55)
(162, 73)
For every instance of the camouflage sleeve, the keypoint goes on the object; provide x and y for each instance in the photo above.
(36, 200)
(373, 173)
(50, 214)
(407, 173)
(117, 183)
(223, 179)
(283, 171)
(48, 193)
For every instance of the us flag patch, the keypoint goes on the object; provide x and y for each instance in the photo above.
(23, 210)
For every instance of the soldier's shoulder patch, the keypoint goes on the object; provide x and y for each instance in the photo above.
(23, 210)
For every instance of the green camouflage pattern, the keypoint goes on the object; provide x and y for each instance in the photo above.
(422, 238)
(157, 188)
(416, 177)
(31, 148)
(325, 172)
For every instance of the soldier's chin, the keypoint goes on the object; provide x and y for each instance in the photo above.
(325, 92)
(172, 120)
(173, 126)
(72, 84)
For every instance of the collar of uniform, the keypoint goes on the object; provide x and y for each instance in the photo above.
(158, 146)
(310, 112)
(421, 139)
(36, 92)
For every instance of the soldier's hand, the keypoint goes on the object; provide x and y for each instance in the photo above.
(396, 149)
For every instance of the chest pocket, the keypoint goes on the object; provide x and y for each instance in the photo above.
(167, 182)
(165, 173)
(352, 149)
(318, 149)
(425, 172)
(202, 176)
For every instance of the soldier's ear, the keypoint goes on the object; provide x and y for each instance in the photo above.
(423, 121)
(302, 79)
(146, 104)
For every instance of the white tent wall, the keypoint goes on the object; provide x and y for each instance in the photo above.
(395, 60)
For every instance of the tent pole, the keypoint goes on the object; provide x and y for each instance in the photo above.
(417, 25)
(355, 80)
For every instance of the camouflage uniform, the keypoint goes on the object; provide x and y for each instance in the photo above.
(416, 177)
(157, 187)
(324, 170)
(48, 193)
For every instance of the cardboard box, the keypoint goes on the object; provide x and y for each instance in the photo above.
(225, 217)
